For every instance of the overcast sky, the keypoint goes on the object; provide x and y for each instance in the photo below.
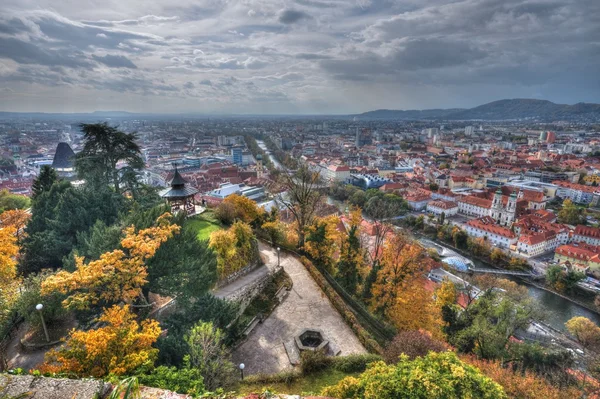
(295, 56)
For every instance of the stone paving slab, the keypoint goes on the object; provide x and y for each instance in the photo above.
(306, 306)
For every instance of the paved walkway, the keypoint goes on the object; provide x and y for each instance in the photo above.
(306, 306)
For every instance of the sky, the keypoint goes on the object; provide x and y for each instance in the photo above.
(294, 56)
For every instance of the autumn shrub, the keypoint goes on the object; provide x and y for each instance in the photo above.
(435, 376)
(354, 363)
(412, 344)
(313, 361)
(225, 213)
(121, 346)
(184, 380)
(522, 385)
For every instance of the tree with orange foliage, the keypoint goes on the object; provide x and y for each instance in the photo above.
(399, 291)
(118, 276)
(16, 218)
(415, 309)
(8, 252)
(522, 384)
(8, 270)
(122, 346)
(402, 262)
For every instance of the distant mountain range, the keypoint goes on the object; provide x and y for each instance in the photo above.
(497, 110)
(514, 109)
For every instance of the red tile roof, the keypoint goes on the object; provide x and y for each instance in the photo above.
(586, 231)
(489, 225)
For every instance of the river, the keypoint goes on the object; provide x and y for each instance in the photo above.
(557, 309)
(262, 146)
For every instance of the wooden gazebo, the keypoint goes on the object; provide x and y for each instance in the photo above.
(180, 195)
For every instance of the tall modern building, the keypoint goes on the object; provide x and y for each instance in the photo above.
(236, 154)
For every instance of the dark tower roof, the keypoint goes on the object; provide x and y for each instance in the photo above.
(177, 181)
(63, 158)
(178, 188)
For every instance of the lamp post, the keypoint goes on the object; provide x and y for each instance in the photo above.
(278, 250)
(39, 308)
(242, 367)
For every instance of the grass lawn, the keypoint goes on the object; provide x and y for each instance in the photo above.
(202, 227)
(306, 385)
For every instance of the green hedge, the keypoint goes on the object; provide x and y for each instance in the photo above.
(338, 303)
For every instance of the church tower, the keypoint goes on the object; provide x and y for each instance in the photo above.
(496, 211)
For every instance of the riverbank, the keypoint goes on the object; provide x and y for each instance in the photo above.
(560, 307)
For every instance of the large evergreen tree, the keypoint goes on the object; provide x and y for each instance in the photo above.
(44, 181)
(104, 148)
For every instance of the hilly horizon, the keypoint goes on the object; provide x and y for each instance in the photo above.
(506, 109)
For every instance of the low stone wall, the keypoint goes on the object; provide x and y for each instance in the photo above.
(32, 387)
(249, 292)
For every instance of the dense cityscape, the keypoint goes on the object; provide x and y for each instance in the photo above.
(299, 199)
(410, 229)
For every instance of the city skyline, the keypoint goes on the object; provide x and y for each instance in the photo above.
(296, 57)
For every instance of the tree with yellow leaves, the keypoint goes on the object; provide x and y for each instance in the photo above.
(322, 240)
(446, 294)
(585, 331)
(274, 230)
(122, 346)
(245, 209)
(16, 218)
(235, 248)
(118, 276)
(415, 309)
(402, 262)
(8, 252)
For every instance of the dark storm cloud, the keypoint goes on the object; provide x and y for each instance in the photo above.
(435, 53)
(115, 61)
(420, 54)
(291, 16)
(28, 53)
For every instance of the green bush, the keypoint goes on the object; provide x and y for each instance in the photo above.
(435, 376)
(31, 296)
(284, 377)
(185, 380)
(354, 363)
(313, 361)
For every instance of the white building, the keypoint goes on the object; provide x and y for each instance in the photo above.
(487, 228)
(589, 235)
(449, 208)
(337, 173)
(474, 206)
